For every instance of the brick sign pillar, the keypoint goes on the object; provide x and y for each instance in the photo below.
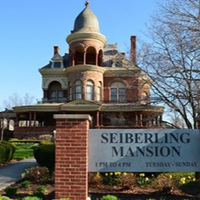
(71, 167)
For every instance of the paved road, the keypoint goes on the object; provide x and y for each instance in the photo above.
(11, 173)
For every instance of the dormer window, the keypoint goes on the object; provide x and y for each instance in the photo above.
(57, 64)
(57, 60)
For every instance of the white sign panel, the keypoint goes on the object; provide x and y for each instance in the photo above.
(144, 150)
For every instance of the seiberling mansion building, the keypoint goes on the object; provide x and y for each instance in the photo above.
(92, 78)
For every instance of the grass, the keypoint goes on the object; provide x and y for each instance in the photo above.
(23, 150)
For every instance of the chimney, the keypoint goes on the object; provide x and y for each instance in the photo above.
(133, 49)
(56, 50)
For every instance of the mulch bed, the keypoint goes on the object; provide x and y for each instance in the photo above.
(96, 196)
(139, 193)
(123, 193)
(136, 193)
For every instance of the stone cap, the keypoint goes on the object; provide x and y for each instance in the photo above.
(72, 116)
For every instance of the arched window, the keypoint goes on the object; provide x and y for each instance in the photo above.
(91, 56)
(90, 90)
(117, 92)
(99, 91)
(56, 93)
(78, 89)
(79, 55)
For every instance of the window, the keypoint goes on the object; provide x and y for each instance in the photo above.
(113, 94)
(99, 91)
(53, 94)
(60, 94)
(122, 94)
(90, 91)
(117, 92)
(56, 94)
(57, 64)
(70, 92)
(78, 89)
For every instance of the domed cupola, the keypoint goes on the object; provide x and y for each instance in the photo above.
(86, 43)
(86, 22)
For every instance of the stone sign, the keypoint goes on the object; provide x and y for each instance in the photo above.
(144, 150)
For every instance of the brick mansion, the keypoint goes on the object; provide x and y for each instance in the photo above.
(92, 78)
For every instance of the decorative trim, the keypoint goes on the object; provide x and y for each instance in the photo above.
(81, 68)
(74, 37)
(63, 81)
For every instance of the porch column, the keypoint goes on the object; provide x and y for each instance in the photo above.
(34, 118)
(153, 120)
(156, 119)
(101, 119)
(136, 119)
(97, 125)
(30, 118)
(16, 121)
(160, 120)
(141, 120)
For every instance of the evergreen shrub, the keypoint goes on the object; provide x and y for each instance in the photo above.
(6, 151)
(45, 155)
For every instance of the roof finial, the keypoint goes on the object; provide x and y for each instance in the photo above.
(87, 4)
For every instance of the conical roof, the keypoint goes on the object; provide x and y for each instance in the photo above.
(86, 21)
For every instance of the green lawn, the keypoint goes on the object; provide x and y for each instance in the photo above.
(24, 150)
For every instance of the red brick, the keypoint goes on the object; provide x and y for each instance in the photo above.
(71, 168)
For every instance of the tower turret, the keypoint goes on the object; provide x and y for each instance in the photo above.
(85, 41)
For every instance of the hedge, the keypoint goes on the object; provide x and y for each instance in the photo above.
(45, 155)
(6, 151)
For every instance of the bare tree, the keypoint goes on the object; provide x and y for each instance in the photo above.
(16, 100)
(172, 58)
(8, 114)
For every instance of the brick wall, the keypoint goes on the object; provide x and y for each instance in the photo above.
(132, 90)
(71, 168)
(85, 76)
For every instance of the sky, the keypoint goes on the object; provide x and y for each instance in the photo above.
(30, 28)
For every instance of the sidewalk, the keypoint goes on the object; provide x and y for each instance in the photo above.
(11, 173)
